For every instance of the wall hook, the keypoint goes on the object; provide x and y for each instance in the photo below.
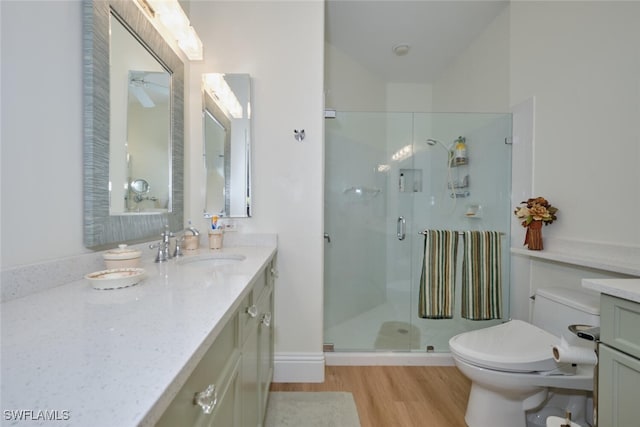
(298, 135)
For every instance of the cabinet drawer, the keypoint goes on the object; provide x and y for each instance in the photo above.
(619, 324)
(619, 376)
(218, 367)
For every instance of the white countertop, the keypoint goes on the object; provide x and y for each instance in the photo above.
(117, 357)
(622, 288)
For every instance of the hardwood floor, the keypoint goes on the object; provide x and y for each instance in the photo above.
(398, 396)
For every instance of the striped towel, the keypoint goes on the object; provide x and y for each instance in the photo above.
(482, 275)
(438, 276)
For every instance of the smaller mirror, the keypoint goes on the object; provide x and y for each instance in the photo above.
(140, 187)
(227, 144)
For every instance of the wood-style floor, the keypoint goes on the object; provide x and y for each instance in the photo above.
(397, 396)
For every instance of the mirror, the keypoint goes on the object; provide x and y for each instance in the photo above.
(227, 144)
(139, 147)
(134, 126)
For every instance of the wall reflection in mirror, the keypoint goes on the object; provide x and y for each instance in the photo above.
(140, 149)
(227, 144)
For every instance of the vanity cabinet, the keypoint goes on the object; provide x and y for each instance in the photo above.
(230, 385)
(257, 349)
(619, 362)
(209, 395)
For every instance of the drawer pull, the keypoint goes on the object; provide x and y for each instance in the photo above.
(252, 311)
(266, 319)
(207, 399)
(274, 272)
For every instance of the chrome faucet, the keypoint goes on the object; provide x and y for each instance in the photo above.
(164, 254)
(177, 252)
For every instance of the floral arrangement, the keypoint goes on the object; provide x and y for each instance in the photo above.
(536, 209)
(534, 213)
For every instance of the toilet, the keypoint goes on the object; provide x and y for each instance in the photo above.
(511, 365)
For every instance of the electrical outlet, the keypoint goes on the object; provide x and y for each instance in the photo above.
(230, 226)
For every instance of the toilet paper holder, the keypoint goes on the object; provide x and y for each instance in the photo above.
(586, 332)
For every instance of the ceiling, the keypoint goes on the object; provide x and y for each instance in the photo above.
(437, 32)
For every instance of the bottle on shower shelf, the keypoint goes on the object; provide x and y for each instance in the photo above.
(460, 152)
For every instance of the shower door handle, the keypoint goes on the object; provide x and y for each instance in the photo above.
(401, 227)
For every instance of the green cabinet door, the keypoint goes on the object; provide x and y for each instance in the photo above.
(618, 385)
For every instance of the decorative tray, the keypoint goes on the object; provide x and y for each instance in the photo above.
(116, 278)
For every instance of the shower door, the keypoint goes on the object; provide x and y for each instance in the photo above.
(367, 267)
(383, 185)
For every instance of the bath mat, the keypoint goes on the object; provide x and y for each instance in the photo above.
(311, 409)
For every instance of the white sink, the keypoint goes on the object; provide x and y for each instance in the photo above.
(211, 260)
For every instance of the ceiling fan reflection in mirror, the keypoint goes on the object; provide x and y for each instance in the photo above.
(149, 88)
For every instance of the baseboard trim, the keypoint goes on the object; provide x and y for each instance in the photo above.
(388, 358)
(298, 368)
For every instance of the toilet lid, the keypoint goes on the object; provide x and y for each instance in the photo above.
(514, 346)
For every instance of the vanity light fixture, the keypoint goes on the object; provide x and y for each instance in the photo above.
(219, 89)
(170, 14)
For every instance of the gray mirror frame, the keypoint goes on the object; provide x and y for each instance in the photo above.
(101, 228)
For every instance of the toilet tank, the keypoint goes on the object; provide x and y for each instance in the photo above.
(555, 309)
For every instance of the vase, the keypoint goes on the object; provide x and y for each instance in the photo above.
(533, 238)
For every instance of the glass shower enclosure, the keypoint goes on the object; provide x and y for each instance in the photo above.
(388, 177)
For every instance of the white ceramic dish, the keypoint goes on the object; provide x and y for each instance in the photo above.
(122, 257)
(116, 278)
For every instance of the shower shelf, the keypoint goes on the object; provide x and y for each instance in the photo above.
(362, 191)
(463, 183)
(459, 194)
(455, 164)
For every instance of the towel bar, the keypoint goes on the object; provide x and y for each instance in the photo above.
(459, 232)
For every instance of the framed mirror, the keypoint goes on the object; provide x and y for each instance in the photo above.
(133, 126)
(227, 144)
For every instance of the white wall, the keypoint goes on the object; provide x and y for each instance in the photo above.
(42, 136)
(349, 86)
(41, 131)
(478, 80)
(281, 45)
(409, 97)
(581, 63)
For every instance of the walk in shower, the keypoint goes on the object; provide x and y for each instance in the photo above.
(388, 177)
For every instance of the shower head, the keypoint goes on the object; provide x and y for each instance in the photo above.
(433, 142)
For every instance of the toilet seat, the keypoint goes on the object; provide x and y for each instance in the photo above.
(514, 346)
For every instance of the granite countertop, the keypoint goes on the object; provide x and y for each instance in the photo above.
(117, 357)
(628, 289)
